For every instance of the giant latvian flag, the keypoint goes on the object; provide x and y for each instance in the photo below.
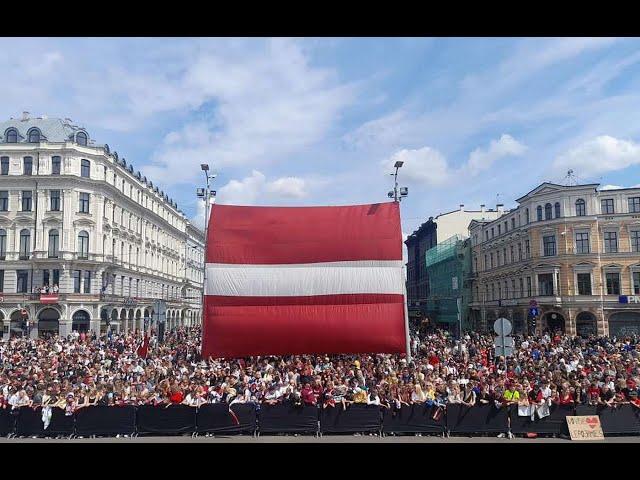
(293, 280)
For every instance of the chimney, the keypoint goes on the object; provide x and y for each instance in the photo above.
(462, 207)
(25, 116)
(500, 208)
(482, 209)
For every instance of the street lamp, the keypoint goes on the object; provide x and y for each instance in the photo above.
(403, 191)
(206, 194)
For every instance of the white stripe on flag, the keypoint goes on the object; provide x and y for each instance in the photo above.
(294, 280)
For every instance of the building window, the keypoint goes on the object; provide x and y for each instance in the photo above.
(54, 243)
(526, 215)
(529, 287)
(636, 283)
(491, 259)
(584, 283)
(23, 280)
(486, 234)
(498, 258)
(539, 213)
(27, 166)
(4, 165)
(521, 291)
(84, 203)
(3, 244)
(25, 244)
(513, 287)
(81, 139)
(499, 229)
(492, 233)
(87, 281)
(55, 165)
(26, 200)
(545, 284)
(606, 205)
(499, 291)
(547, 212)
(527, 249)
(549, 244)
(85, 168)
(513, 223)
(635, 240)
(83, 245)
(33, 135)
(11, 135)
(613, 283)
(582, 242)
(4, 201)
(557, 209)
(54, 196)
(519, 251)
(1, 280)
(634, 205)
(581, 208)
(511, 254)
(76, 280)
(486, 261)
(610, 242)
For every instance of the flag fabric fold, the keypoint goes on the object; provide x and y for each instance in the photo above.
(292, 280)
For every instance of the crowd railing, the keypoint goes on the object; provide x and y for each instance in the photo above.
(286, 418)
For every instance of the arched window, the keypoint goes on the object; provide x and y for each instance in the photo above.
(3, 244)
(557, 209)
(548, 212)
(581, 208)
(85, 168)
(83, 245)
(33, 135)
(539, 212)
(54, 243)
(11, 135)
(81, 138)
(25, 244)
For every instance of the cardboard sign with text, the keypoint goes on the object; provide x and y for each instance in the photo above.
(585, 428)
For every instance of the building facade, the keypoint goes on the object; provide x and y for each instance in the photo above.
(427, 236)
(87, 242)
(570, 254)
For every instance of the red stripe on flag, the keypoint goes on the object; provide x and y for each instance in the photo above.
(290, 235)
(234, 331)
(340, 299)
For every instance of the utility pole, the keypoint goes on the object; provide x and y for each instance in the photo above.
(206, 194)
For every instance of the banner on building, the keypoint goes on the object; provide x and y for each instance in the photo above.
(293, 280)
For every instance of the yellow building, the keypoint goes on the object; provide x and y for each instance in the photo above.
(570, 253)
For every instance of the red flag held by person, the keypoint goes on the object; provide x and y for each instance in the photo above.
(293, 280)
(143, 349)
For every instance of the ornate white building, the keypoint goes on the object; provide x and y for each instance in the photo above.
(76, 216)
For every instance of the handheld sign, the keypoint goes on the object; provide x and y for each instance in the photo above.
(503, 342)
(586, 427)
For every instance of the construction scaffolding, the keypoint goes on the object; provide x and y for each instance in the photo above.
(448, 265)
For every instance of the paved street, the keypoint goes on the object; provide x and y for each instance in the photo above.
(313, 440)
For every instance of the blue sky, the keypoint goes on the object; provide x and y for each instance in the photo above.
(319, 121)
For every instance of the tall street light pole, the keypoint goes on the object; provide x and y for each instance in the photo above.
(206, 195)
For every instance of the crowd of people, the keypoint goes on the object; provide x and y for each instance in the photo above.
(78, 371)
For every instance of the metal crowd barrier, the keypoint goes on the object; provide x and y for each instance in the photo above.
(286, 418)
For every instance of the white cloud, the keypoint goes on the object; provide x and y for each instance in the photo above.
(610, 187)
(255, 189)
(424, 166)
(482, 159)
(599, 155)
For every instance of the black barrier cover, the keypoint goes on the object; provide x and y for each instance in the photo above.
(215, 418)
(622, 420)
(416, 418)
(555, 423)
(5, 422)
(100, 420)
(479, 419)
(287, 418)
(171, 419)
(29, 423)
(356, 418)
